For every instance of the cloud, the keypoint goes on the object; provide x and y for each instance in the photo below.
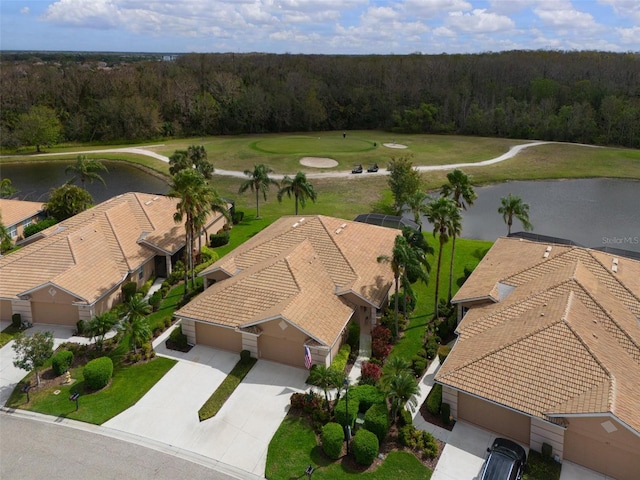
(629, 36)
(479, 21)
(24, 10)
(423, 9)
(624, 8)
(100, 14)
(562, 14)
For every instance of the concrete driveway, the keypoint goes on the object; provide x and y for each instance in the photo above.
(240, 433)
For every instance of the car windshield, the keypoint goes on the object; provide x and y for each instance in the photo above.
(499, 466)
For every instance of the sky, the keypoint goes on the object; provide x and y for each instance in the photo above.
(320, 26)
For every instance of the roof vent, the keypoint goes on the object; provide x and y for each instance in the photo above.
(302, 220)
(338, 231)
(545, 254)
(614, 268)
(343, 225)
(542, 314)
(549, 248)
(148, 202)
(295, 225)
(615, 261)
(155, 198)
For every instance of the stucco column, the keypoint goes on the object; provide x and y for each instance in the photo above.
(23, 307)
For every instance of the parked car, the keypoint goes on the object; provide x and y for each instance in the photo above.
(357, 169)
(506, 461)
(373, 168)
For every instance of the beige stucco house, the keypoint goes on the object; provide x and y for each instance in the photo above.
(75, 269)
(297, 283)
(17, 214)
(548, 351)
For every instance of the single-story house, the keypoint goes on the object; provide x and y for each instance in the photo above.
(76, 268)
(548, 351)
(297, 283)
(17, 214)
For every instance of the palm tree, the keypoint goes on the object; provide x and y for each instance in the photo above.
(86, 169)
(218, 204)
(196, 197)
(417, 204)
(6, 242)
(299, 187)
(394, 366)
(461, 191)
(135, 321)
(258, 181)
(513, 206)
(325, 378)
(444, 215)
(99, 326)
(402, 389)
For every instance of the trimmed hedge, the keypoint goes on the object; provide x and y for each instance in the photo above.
(367, 395)
(431, 347)
(332, 440)
(61, 362)
(38, 227)
(129, 289)
(340, 411)
(340, 361)
(97, 373)
(434, 400)
(445, 413)
(376, 420)
(219, 239)
(443, 353)
(365, 447)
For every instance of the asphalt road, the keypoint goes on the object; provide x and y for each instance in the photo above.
(35, 449)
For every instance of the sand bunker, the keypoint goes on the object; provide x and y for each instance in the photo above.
(318, 162)
(394, 145)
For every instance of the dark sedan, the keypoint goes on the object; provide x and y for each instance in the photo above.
(506, 461)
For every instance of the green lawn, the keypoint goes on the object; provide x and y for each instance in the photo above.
(294, 446)
(8, 334)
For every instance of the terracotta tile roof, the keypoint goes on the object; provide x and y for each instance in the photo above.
(93, 251)
(296, 269)
(566, 340)
(15, 211)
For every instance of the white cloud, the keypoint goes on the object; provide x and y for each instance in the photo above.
(479, 21)
(101, 14)
(511, 6)
(24, 10)
(562, 14)
(624, 8)
(433, 8)
(629, 36)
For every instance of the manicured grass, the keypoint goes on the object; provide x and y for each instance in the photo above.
(540, 469)
(168, 306)
(8, 334)
(128, 385)
(294, 447)
(215, 402)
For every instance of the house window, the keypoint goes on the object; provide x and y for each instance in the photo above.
(13, 231)
(27, 222)
(140, 273)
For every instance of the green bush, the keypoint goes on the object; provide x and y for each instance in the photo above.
(367, 396)
(405, 417)
(16, 321)
(61, 362)
(237, 217)
(411, 303)
(340, 361)
(129, 289)
(405, 435)
(155, 300)
(365, 447)
(177, 338)
(80, 327)
(219, 239)
(376, 420)
(418, 365)
(445, 413)
(245, 355)
(430, 446)
(431, 347)
(97, 373)
(353, 336)
(434, 400)
(208, 254)
(443, 352)
(340, 411)
(146, 286)
(38, 227)
(332, 440)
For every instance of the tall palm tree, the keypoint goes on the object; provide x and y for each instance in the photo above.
(401, 390)
(299, 187)
(258, 181)
(135, 321)
(218, 204)
(86, 169)
(444, 215)
(461, 191)
(394, 366)
(417, 204)
(513, 206)
(196, 196)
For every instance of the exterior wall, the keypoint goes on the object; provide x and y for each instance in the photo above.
(147, 271)
(51, 305)
(467, 305)
(546, 432)
(218, 337)
(615, 454)
(189, 329)
(5, 310)
(282, 342)
(23, 307)
(494, 417)
(18, 228)
(320, 356)
(250, 342)
(450, 396)
(107, 302)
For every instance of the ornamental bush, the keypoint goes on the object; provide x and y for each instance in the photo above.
(431, 346)
(370, 373)
(376, 420)
(38, 227)
(365, 447)
(129, 289)
(443, 352)
(61, 362)
(434, 400)
(219, 239)
(367, 395)
(340, 361)
(340, 411)
(332, 440)
(97, 373)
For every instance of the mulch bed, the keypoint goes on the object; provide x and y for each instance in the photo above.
(171, 345)
(434, 419)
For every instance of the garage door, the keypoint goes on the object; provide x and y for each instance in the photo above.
(281, 350)
(55, 313)
(495, 418)
(218, 337)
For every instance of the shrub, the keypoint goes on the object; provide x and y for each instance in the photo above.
(332, 440)
(340, 361)
(208, 254)
(405, 436)
(367, 396)
(376, 420)
(370, 373)
(365, 447)
(443, 352)
(219, 239)
(155, 300)
(353, 336)
(129, 290)
(16, 320)
(237, 217)
(434, 400)
(411, 303)
(430, 446)
(340, 411)
(418, 365)
(382, 332)
(405, 418)
(445, 413)
(178, 339)
(61, 362)
(80, 327)
(97, 373)
(38, 227)
(245, 355)
(431, 346)
(380, 349)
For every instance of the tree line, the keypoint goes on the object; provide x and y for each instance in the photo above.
(587, 97)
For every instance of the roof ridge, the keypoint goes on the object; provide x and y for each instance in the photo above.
(115, 236)
(610, 273)
(553, 259)
(353, 271)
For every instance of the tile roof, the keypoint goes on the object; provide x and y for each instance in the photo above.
(566, 340)
(94, 251)
(15, 211)
(296, 269)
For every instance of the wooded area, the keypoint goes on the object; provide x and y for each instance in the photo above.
(586, 97)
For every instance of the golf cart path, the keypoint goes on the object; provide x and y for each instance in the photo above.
(512, 152)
